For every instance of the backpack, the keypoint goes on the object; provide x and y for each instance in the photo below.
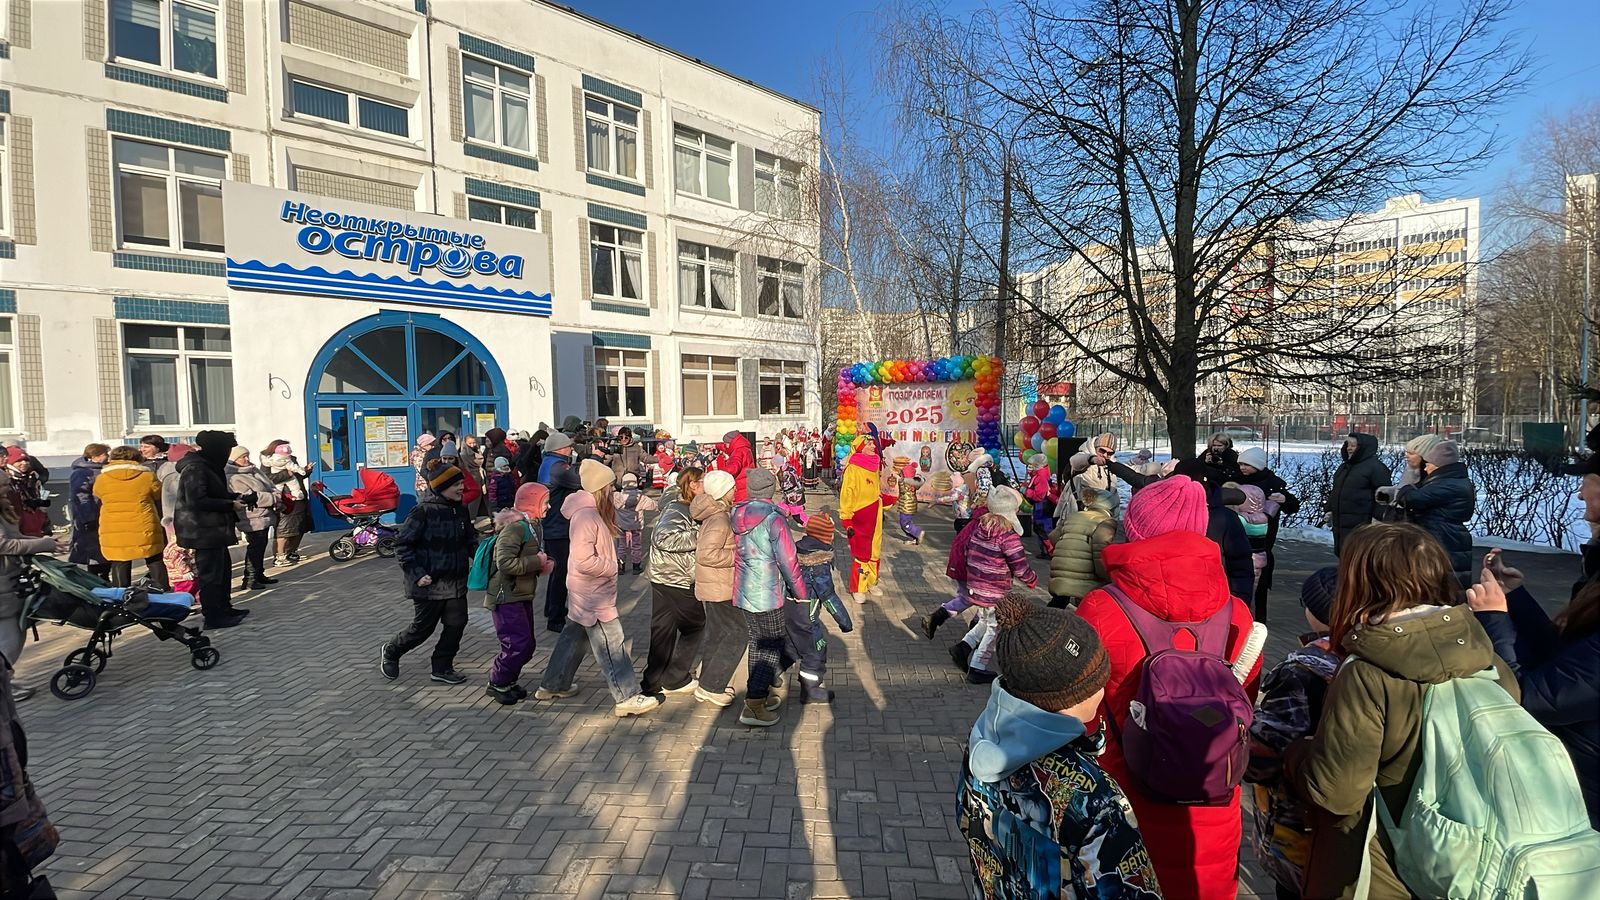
(1186, 737)
(1494, 811)
(483, 568)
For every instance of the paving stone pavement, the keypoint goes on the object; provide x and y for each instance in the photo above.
(293, 770)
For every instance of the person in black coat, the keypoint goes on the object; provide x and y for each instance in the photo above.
(1557, 663)
(1221, 459)
(1443, 503)
(564, 483)
(84, 509)
(1355, 487)
(204, 522)
(1225, 530)
(531, 455)
(1253, 471)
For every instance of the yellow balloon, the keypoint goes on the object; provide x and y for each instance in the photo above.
(1051, 448)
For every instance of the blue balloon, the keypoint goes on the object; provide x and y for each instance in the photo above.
(1066, 429)
(1037, 442)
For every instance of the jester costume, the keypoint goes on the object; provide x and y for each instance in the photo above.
(861, 511)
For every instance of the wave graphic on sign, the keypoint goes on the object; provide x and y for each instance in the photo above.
(254, 275)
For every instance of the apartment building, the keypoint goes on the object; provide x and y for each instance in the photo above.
(344, 222)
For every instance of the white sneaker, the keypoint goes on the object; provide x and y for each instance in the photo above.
(875, 590)
(542, 694)
(859, 597)
(637, 705)
(722, 700)
(918, 541)
(689, 688)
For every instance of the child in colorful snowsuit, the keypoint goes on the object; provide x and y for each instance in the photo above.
(1289, 708)
(519, 560)
(955, 567)
(906, 504)
(1075, 564)
(180, 566)
(995, 557)
(1038, 492)
(502, 486)
(804, 619)
(1256, 512)
(631, 505)
(791, 499)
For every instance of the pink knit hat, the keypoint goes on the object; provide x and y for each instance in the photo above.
(1175, 503)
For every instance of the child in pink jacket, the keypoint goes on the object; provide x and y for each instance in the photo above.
(592, 622)
(994, 558)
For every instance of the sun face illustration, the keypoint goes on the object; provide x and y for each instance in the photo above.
(964, 404)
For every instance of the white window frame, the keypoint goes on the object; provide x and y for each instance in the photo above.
(214, 7)
(788, 372)
(782, 274)
(501, 208)
(618, 250)
(782, 199)
(613, 362)
(700, 144)
(8, 358)
(614, 129)
(352, 111)
(500, 91)
(709, 260)
(182, 356)
(701, 365)
(173, 180)
(5, 165)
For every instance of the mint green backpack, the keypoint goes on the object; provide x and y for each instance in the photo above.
(1495, 812)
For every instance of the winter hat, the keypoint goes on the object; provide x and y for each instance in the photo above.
(442, 477)
(1004, 502)
(728, 438)
(426, 441)
(237, 452)
(1422, 443)
(501, 464)
(630, 480)
(284, 449)
(1051, 658)
(557, 442)
(176, 452)
(1254, 457)
(1105, 439)
(717, 484)
(595, 475)
(448, 448)
(214, 446)
(979, 461)
(820, 528)
(1317, 594)
(1175, 503)
(15, 455)
(531, 499)
(1144, 456)
(760, 484)
(1444, 453)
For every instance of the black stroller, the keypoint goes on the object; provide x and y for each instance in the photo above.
(59, 592)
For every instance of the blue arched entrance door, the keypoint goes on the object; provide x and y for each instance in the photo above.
(380, 382)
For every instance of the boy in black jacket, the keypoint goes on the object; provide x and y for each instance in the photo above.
(435, 551)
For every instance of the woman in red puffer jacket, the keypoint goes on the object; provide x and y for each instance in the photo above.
(1170, 569)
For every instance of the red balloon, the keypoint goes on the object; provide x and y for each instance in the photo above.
(1041, 409)
(1047, 430)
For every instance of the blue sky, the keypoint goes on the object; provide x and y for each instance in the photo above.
(780, 44)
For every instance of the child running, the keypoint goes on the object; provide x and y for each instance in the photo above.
(906, 504)
(994, 557)
(804, 619)
(519, 561)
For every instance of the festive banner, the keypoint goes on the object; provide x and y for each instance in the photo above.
(935, 410)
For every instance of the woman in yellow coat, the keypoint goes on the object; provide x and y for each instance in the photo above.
(130, 515)
(861, 511)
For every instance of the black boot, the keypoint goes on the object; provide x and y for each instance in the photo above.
(960, 652)
(261, 579)
(244, 582)
(931, 623)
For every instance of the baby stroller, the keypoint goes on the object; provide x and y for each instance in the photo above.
(59, 592)
(363, 511)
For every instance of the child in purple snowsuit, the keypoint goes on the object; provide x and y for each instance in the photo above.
(631, 505)
(519, 561)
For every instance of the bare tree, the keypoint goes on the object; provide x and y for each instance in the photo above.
(1176, 151)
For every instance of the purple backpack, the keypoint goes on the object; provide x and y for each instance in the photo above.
(1186, 737)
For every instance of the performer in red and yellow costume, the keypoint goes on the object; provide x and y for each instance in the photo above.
(861, 511)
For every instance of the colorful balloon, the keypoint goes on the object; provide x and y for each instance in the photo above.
(1048, 429)
(1051, 448)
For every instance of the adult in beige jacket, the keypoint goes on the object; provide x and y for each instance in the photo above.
(725, 634)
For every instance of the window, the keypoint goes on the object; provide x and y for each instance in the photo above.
(8, 373)
(705, 276)
(710, 386)
(168, 197)
(783, 388)
(335, 106)
(503, 213)
(783, 288)
(616, 263)
(180, 375)
(777, 186)
(497, 104)
(612, 137)
(702, 164)
(619, 383)
(180, 35)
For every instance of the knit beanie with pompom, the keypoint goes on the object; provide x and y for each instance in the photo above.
(1051, 658)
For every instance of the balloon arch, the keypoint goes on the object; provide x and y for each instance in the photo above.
(858, 403)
